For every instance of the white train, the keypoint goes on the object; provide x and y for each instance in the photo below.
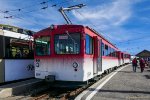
(16, 56)
(74, 53)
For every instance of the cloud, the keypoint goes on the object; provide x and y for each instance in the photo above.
(109, 17)
(114, 13)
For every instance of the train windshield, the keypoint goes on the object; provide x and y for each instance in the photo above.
(67, 43)
(42, 46)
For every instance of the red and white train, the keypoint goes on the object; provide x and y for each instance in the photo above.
(74, 53)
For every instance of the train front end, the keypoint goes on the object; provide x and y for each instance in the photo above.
(59, 52)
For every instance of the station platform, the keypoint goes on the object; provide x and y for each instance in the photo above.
(122, 84)
(17, 88)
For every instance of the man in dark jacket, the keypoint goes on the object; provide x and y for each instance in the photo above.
(134, 64)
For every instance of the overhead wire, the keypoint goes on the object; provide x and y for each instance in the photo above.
(128, 41)
(26, 7)
(91, 23)
(31, 6)
(11, 16)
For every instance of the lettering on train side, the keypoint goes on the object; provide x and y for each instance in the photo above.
(30, 67)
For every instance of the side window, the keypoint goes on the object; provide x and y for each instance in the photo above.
(113, 53)
(89, 45)
(106, 50)
(109, 51)
(103, 53)
(17, 49)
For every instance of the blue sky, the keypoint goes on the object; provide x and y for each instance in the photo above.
(126, 23)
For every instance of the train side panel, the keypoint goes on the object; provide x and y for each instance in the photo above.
(109, 63)
(18, 69)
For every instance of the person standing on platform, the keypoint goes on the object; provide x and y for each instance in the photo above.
(142, 64)
(134, 64)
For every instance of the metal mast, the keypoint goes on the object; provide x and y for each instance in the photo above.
(62, 11)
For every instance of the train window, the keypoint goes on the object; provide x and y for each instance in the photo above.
(89, 45)
(42, 46)
(113, 53)
(67, 43)
(17, 49)
(109, 51)
(116, 54)
(106, 50)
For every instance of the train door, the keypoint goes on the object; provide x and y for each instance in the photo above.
(122, 58)
(119, 58)
(97, 56)
(100, 56)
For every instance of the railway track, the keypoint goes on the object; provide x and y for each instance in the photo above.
(49, 92)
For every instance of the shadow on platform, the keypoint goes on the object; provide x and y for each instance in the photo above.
(125, 71)
(148, 70)
(147, 76)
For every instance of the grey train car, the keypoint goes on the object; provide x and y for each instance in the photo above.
(16, 57)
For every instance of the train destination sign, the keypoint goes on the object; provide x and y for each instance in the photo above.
(63, 37)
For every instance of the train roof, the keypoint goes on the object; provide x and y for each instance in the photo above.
(101, 36)
(16, 29)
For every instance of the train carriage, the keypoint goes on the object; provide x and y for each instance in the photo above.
(126, 57)
(120, 58)
(16, 56)
(72, 53)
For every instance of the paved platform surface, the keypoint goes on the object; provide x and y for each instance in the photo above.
(124, 85)
(17, 88)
